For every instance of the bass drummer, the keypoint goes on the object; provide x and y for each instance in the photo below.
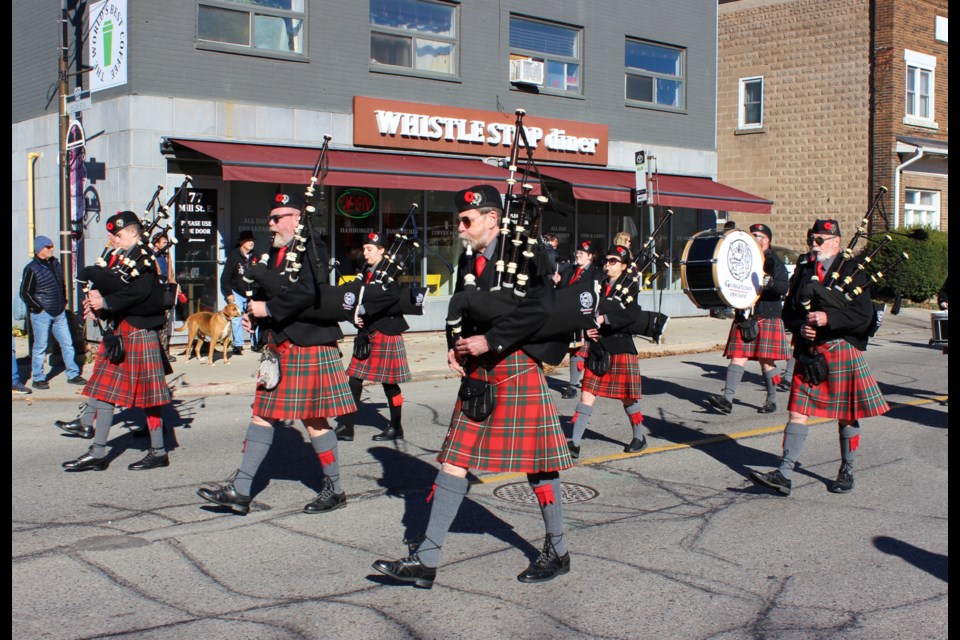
(771, 343)
(583, 273)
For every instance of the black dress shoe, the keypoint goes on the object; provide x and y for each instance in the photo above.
(784, 385)
(152, 460)
(227, 496)
(569, 392)
(720, 403)
(637, 444)
(344, 432)
(73, 427)
(548, 564)
(40, 384)
(389, 434)
(574, 449)
(769, 407)
(408, 570)
(86, 462)
(774, 480)
(77, 380)
(844, 481)
(327, 499)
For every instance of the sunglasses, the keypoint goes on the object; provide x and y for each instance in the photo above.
(466, 221)
(614, 261)
(49, 246)
(276, 217)
(818, 240)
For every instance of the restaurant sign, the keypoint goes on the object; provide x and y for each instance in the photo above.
(426, 127)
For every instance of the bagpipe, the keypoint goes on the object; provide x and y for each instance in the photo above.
(519, 251)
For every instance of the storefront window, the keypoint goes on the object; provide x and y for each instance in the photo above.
(442, 242)
(560, 225)
(592, 225)
(355, 213)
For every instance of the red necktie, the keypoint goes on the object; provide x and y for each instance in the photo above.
(113, 261)
(607, 292)
(280, 256)
(369, 276)
(820, 271)
(576, 275)
(480, 264)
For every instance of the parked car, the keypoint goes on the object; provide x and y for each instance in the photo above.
(789, 257)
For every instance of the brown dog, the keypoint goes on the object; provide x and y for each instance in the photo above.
(214, 326)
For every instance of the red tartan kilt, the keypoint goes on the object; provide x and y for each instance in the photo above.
(771, 344)
(849, 393)
(138, 381)
(387, 362)
(312, 385)
(583, 351)
(621, 381)
(523, 432)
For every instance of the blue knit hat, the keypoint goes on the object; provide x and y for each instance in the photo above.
(40, 242)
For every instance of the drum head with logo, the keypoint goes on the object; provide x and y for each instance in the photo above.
(722, 269)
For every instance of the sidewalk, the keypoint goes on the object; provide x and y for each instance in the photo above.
(426, 354)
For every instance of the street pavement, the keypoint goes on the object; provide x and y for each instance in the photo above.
(673, 542)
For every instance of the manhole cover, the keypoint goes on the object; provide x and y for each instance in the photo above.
(521, 492)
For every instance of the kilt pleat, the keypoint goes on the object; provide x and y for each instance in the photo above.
(138, 381)
(771, 344)
(523, 432)
(387, 362)
(621, 381)
(312, 385)
(850, 391)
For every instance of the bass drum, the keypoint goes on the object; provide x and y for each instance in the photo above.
(722, 269)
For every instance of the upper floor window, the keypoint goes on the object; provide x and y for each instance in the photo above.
(414, 34)
(555, 46)
(751, 103)
(921, 208)
(655, 74)
(261, 26)
(918, 109)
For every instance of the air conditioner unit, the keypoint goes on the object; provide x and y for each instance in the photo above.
(526, 71)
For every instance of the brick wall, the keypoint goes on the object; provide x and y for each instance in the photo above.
(811, 157)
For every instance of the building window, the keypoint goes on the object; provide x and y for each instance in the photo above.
(919, 91)
(253, 26)
(921, 208)
(751, 103)
(414, 34)
(555, 46)
(655, 74)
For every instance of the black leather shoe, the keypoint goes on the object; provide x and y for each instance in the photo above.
(257, 348)
(77, 380)
(844, 481)
(389, 434)
(784, 385)
(152, 460)
(408, 570)
(574, 449)
(73, 427)
(774, 480)
(227, 496)
(569, 392)
(769, 407)
(548, 564)
(86, 462)
(40, 384)
(238, 351)
(637, 444)
(720, 403)
(326, 500)
(344, 432)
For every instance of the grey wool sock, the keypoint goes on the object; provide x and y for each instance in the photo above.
(769, 378)
(849, 443)
(575, 371)
(546, 486)
(89, 413)
(446, 496)
(734, 375)
(580, 420)
(636, 419)
(102, 426)
(794, 437)
(255, 448)
(326, 448)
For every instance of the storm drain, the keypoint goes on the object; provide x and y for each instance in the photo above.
(521, 492)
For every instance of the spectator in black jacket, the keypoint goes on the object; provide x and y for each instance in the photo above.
(232, 285)
(45, 295)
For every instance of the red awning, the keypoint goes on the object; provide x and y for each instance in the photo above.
(294, 165)
(664, 190)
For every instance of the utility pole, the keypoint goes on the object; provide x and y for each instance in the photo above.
(66, 228)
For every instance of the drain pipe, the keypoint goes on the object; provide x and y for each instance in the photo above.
(32, 158)
(896, 186)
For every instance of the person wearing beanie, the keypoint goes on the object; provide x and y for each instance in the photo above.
(379, 354)
(583, 273)
(134, 311)
(232, 286)
(521, 432)
(622, 380)
(312, 387)
(43, 291)
(771, 343)
(839, 334)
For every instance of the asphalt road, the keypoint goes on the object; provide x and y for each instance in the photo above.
(672, 543)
